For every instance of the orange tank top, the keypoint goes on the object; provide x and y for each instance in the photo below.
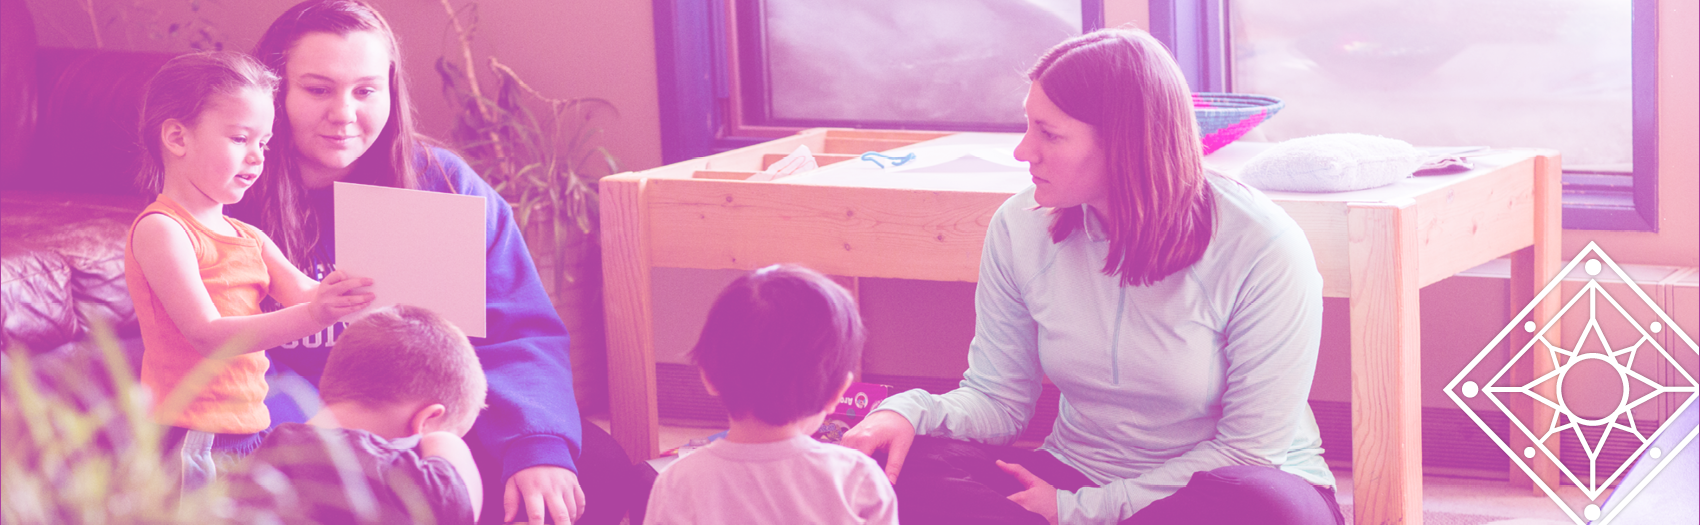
(232, 401)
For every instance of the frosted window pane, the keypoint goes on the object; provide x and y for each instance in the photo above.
(1503, 73)
(947, 61)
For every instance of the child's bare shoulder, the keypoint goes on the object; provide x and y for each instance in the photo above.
(159, 226)
(160, 241)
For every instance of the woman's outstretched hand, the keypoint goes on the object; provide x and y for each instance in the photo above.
(336, 297)
(1038, 496)
(546, 490)
(883, 430)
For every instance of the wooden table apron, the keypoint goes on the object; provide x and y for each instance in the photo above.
(1375, 247)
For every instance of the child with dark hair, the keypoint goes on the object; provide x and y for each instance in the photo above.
(777, 348)
(400, 389)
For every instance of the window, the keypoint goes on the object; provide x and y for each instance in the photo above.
(724, 82)
(735, 72)
(1572, 75)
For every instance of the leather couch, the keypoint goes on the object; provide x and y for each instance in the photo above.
(68, 155)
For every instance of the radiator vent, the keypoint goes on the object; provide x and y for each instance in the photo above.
(683, 400)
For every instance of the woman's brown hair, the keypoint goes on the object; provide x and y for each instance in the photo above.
(279, 200)
(1124, 84)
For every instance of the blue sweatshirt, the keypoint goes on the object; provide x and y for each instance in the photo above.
(532, 417)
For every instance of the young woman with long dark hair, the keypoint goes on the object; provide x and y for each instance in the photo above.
(344, 115)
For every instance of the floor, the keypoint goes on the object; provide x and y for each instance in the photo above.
(1466, 501)
(1446, 500)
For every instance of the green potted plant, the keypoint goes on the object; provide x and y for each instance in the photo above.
(83, 445)
(546, 164)
(81, 442)
(78, 458)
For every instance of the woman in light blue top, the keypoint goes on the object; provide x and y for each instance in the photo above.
(1179, 313)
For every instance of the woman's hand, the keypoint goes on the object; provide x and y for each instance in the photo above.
(1039, 497)
(886, 430)
(546, 490)
(336, 298)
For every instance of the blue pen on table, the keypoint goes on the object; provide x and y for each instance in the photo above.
(875, 156)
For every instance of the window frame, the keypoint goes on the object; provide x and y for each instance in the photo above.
(702, 85)
(1196, 31)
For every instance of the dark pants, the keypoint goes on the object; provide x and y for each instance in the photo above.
(610, 482)
(946, 481)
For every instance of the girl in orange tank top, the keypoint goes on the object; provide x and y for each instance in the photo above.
(196, 276)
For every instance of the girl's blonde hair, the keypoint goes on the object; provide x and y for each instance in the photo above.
(181, 90)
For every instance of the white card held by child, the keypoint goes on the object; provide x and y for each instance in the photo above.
(421, 248)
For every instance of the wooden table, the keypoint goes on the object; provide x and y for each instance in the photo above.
(1376, 247)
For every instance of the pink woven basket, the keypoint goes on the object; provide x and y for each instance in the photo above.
(1225, 117)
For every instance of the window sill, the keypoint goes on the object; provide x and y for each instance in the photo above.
(1600, 201)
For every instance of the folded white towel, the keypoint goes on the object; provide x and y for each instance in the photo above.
(1333, 162)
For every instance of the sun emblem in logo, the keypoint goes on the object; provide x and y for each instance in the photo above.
(1599, 384)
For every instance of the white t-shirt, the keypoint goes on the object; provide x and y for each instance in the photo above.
(796, 481)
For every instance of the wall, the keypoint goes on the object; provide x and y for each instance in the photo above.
(1136, 13)
(574, 48)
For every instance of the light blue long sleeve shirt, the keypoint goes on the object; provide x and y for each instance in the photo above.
(1209, 367)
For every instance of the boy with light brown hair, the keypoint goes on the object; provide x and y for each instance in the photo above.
(400, 389)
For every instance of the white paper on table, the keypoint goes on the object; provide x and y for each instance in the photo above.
(961, 162)
(800, 160)
(421, 248)
(974, 160)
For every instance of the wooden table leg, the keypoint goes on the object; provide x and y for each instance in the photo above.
(854, 286)
(1531, 269)
(635, 416)
(1386, 402)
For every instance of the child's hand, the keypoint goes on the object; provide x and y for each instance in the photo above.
(336, 297)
